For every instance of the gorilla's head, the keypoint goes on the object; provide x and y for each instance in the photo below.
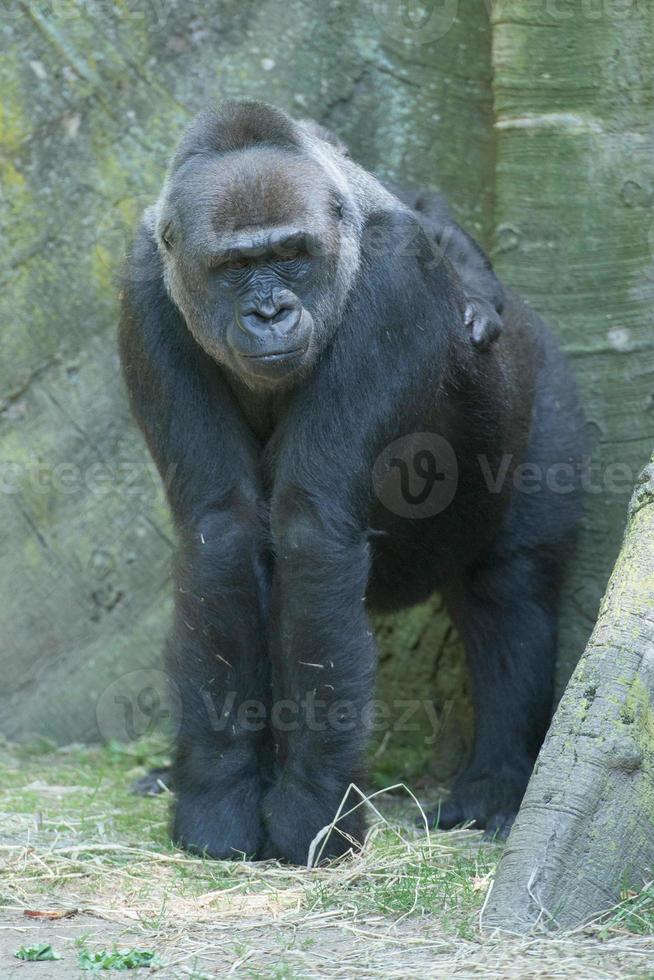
(259, 234)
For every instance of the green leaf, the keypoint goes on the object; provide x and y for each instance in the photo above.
(133, 959)
(37, 954)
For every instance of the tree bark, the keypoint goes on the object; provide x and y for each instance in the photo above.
(574, 188)
(585, 830)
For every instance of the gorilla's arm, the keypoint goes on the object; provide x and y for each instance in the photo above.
(483, 290)
(322, 646)
(216, 657)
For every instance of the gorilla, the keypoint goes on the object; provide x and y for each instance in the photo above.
(346, 418)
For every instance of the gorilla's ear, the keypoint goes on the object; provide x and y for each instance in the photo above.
(148, 310)
(326, 135)
(237, 125)
(145, 265)
(149, 217)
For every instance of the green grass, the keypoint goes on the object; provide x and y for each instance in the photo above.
(634, 914)
(94, 785)
(79, 797)
(450, 882)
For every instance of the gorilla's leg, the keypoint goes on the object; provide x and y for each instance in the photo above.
(219, 672)
(505, 612)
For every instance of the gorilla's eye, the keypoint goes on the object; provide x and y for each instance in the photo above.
(288, 256)
(236, 264)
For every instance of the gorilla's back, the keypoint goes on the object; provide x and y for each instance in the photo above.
(557, 444)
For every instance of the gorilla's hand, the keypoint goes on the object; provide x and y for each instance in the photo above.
(221, 818)
(294, 812)
(483, 321)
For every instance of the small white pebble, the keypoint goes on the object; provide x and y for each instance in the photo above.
(38, 69)
(71, 124)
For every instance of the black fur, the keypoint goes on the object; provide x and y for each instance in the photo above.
(285, 540)
(483, 290)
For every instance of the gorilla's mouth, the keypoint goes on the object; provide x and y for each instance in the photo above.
(275, 355)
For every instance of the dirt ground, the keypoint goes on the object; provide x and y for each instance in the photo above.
(74, 842)
(285, 947)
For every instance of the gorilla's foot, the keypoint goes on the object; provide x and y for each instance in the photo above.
(155, 782)
(490, 800)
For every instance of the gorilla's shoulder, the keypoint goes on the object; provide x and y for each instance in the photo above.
(395, 244)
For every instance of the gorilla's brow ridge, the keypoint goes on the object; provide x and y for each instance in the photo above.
(263, 243)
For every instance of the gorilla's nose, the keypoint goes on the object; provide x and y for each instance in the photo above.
(273, 318)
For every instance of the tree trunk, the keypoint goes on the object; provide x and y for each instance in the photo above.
(586, 827)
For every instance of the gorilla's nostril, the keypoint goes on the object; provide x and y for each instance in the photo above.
(265, 314)
(281, 314)
(258, 324)
(265, 318)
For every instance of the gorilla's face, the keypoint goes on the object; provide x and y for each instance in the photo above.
(253, 248)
